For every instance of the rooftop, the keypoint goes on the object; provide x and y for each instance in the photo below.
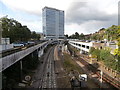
(52, 8)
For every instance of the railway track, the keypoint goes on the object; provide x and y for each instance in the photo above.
(93, 69)
(43, 70)
(48, 74)
(110, 80)
(105, 77)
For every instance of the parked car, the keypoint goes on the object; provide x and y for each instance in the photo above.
(102, 41)
(31, 42)
(98, 41)
(93, 41)
(88, 41)
(18, 44)
(25, 43)
(112, 42)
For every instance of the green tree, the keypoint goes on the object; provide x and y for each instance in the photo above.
(95, 36)
(112, 32)
(76, 35)
(92, 49)
(38, 36)
(66, 36)
(82, 36)
(104, 54)
(95, 52)
(33, 35)
(14, 30)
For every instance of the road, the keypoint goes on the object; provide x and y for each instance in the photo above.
(45, 75)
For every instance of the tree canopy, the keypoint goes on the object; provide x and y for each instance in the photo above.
(16, 31)
(77, 36)
(105, 55)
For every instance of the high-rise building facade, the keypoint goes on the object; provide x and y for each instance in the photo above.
(53, 23)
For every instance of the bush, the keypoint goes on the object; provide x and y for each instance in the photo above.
(92, 49)
(106, 57)
(104, 54)
(95, 53)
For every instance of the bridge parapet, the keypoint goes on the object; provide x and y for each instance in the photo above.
(9, 60)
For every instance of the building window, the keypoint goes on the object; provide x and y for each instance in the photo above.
(83, 46)
(87, 47)
(80, 45)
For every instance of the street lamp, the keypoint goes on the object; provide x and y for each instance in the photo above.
(0, 31)
(116, 59)
(101, 73)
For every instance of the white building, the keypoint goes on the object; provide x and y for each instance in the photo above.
(82, 46)
(5, 44)
(53, 23)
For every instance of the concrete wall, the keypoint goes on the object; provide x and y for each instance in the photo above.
(5, 41)
(5, 46)
(13, 58)
(40, 53)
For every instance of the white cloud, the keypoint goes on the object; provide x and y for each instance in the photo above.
(72, 28)
(33, 26)
(87, 27)
(91, 15)
(1, 15)
(110, 7)
(35, 6)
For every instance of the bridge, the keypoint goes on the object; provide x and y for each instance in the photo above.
(9, 60)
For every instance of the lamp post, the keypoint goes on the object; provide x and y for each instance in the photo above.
(21, 68)
(116, 63)
(1, 54)
(101, 73)
(0, 31)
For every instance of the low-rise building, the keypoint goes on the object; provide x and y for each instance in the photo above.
(5, 44)
(84, 47)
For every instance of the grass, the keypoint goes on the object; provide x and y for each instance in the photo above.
(70, 64)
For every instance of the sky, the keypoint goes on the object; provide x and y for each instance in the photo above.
(82, 16)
